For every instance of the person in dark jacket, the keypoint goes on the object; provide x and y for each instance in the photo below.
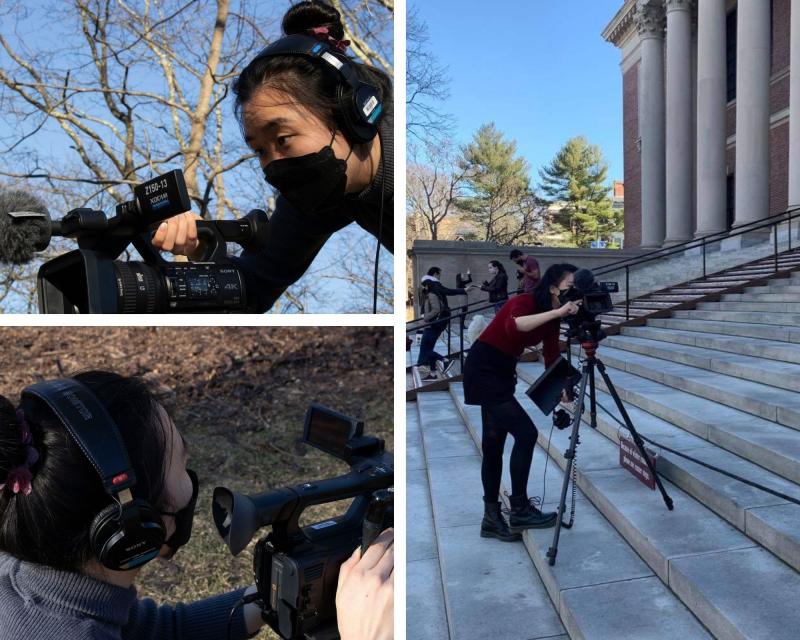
(497, 287)
(53, 583)
(428, 356)
(490, 381)
(326, 178)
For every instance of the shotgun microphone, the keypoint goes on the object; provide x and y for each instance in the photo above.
(25, 227)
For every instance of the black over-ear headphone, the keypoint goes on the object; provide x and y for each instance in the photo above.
(128, 532)
(360, 104)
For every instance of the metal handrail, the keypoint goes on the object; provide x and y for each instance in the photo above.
(773, 221)
(785, 216)
(462, 313)
(461, 317)
(470, 304)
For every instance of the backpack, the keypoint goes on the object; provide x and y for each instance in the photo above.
(431, 306)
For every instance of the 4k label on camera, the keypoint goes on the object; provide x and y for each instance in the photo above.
(632, 460)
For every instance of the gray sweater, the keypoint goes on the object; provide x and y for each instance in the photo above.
(41, 603)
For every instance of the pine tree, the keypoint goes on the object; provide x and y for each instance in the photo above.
(499, 200)
(576, 181)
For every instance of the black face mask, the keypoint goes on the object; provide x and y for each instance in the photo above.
(562, 295)
(183, 519)
(311, 183)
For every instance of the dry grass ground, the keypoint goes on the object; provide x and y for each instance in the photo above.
(239, 396)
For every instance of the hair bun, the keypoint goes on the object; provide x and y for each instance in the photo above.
(312, 13)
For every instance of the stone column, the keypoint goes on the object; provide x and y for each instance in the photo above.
(711, 109)
(752, 110)
(650, 23)
(794, 107)
(679, 121)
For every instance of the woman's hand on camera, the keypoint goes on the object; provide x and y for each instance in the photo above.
(568, 309)
(365, 595)
(178, 235)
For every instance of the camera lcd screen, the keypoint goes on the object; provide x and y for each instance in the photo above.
(330, 431)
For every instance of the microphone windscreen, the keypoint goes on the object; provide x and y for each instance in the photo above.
(584, 279)
(20, 239)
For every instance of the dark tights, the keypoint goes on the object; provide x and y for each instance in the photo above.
(498, 421)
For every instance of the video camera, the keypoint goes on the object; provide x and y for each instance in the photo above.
(463, 279)
(297, 568)
(595, 300)
(91, 279)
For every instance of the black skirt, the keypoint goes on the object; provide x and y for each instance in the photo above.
(490, 376)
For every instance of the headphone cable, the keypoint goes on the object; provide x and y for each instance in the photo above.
(380, 227)
(253, 597)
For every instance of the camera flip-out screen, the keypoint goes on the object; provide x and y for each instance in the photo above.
(162, 197)
(330, 431)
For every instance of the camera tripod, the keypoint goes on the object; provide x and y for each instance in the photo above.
(590, 335)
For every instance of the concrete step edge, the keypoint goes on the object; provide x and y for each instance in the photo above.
(740, 329)
(771, 349)
(682, 380)
(754, 521)
(752, 368)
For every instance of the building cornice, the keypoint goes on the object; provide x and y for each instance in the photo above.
(616, 30)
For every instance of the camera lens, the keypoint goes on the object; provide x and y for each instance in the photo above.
(140, 288)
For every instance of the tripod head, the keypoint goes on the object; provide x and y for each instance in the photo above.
(588, 331)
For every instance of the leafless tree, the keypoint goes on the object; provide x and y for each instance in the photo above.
(356, 266)
(125, 90)
(427, 85)
(434, 186)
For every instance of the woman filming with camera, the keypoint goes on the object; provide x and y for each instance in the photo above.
(321, 126)
(490, 381)
(72, 545)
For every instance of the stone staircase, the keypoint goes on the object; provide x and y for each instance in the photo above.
(414, 381)
(720, 383)
(703, 289)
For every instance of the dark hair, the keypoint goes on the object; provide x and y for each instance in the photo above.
(552, 276)
(311, 83)
(50, 525)
(515, 253)
(433, 271)
(498, 265)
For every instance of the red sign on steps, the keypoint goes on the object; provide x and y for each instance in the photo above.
(632, 460)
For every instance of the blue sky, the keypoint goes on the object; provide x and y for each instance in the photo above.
(538, 68)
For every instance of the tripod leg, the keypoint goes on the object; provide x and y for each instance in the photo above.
(569, 455)
(634, 434)
(592, 401)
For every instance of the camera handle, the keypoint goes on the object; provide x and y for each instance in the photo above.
(250, 232)
(360, 480)
(379, 503)
(110, 238)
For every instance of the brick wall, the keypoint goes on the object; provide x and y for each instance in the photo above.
(780, 34)
(779, 168)
(632, 157)
(730, 120)
(779, 95)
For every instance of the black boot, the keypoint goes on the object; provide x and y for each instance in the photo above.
(494, 525)
(524, 515)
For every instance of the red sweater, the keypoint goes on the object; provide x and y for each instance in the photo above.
(502, 332)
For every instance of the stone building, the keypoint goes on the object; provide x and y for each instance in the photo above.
(711, 114)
